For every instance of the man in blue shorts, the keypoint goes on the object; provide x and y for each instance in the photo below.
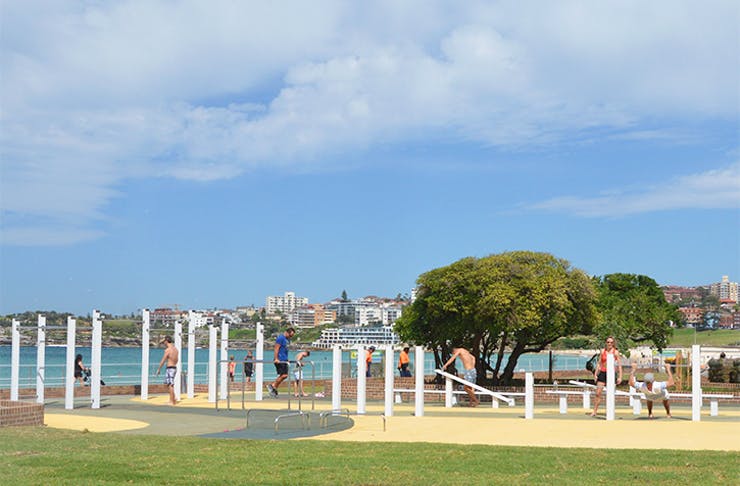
(281, 360)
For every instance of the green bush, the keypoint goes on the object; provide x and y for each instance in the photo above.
(724, 370)
(734, 374)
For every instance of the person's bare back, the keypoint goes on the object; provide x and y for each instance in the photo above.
(468, 361)
(172, 355)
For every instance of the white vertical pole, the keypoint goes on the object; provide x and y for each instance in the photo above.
(586, 400)
(610, 387)
(97, 344)
(336, 378)
(191, 354)
(361, 380)
(389, 380)
(696, 383)
(15, 360)
(178, 373)
(259, 367)
(419, 381)
(636, 402)
(448, 393)
(69, 375)
(212, 364)
(224, 356)
(528, 396)
(40, 359)
(145, 354)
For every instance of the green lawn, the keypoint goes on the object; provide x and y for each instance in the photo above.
(722, 337)
(50, 456)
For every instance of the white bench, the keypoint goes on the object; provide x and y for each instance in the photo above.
(563, 396)
(494, 402)
(713, 400)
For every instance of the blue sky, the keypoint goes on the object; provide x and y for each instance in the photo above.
(208, 154)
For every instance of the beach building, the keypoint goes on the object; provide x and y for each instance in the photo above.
(350, 336)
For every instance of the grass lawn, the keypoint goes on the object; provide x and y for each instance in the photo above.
(721, 337)
(50, 456)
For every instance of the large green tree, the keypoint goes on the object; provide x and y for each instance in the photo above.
(516, 301)
(634, 310)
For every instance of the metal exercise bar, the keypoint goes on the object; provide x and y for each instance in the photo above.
(303, 415)
(324, 416)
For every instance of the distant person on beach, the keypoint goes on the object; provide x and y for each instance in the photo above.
(81, 370)
(369, 360)
(653, 390)
(248, 367)
(470, 374)
(600, 373)
(298, 373)
(232, 368)
(403, 362)
(171, 357)
(281, 361)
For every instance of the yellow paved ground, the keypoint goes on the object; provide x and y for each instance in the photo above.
(484, 425)
(93, 424)
(543, 432)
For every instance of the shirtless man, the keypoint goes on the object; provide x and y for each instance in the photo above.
(468, 361)
(171, 356)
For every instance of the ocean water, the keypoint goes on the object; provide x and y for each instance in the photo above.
(122, 366)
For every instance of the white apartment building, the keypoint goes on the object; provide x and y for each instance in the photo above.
(285, 304)
(367, 314)
(390, 313)
(725, 290)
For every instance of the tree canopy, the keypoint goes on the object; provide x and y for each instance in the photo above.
(518, 301)
(634, 310)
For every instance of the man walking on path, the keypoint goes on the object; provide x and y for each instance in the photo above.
(171, 356)
(281, 361)
(468, 361)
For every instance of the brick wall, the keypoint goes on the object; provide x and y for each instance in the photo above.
(20, 413)
(375, 390)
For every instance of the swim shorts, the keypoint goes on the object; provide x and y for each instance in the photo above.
(169, 375)
(470, 375)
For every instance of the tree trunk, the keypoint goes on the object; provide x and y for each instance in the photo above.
(508, 375)
(500, 357)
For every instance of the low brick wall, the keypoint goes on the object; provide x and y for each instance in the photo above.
(375, 390)
(83, 391)
(20, 413)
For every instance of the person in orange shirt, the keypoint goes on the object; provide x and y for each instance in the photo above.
(232, 368)
(600, 371)
(369, 360)
(403, 362)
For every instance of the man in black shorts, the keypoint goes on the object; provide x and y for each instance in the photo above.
(281, 360)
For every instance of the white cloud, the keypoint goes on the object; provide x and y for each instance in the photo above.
(94, 93)
(714, 189)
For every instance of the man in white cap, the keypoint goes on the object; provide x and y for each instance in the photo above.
(653, 390)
